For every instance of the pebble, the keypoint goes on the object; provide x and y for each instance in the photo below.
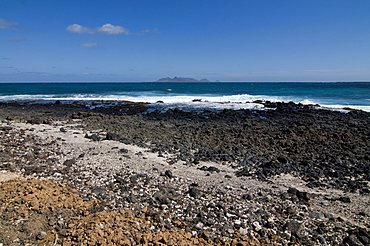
(345, 199)
(243, 231)
(199, 226)
(316, 215)
(248, 197)
(324, 203)
(238, 222)
(257, 226)
(194, 192)
(321, 239)
(168, 173)
(230, 215)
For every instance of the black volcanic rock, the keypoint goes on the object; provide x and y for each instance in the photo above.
(325, 148)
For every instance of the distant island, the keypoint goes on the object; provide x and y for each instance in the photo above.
(181, 79)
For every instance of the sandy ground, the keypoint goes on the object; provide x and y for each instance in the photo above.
(141, 160)
(5, 176)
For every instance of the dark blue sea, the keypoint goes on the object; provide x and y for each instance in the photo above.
(196, 95)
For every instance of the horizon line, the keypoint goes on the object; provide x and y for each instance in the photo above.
(107, 81)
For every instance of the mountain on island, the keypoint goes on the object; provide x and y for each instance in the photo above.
(181, 79)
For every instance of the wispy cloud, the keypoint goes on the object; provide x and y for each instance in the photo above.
(150, 31)
(89, 45)
(106, 29)
(17, 40)
(8, 25)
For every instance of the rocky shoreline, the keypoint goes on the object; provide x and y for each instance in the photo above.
(293, 174)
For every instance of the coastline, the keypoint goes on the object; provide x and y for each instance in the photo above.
(293, 174)
(227, 95)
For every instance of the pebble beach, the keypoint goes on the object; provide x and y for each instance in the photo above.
(292, 174)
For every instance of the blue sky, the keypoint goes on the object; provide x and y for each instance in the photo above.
(144, 40)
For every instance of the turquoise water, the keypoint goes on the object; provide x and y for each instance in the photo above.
(221, 95)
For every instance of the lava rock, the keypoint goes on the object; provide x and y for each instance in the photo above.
(112, 136)
(358, 237)
(164, 195)
(94, 137)
(69, 162)
(316, 215)
(295, 227)
(168, 173)
(194, 192)
(123, 150)
(6, 128)
(248, 196)
(210, 169)
(301, 195)
(344, 199)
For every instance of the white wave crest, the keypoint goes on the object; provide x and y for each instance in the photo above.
(205, 101)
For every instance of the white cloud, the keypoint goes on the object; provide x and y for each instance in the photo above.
(5, 24)
(75, 28)
(106, 29)
(112, 29)
(89, 45)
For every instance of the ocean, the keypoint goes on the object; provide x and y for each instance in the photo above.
(212, 95)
